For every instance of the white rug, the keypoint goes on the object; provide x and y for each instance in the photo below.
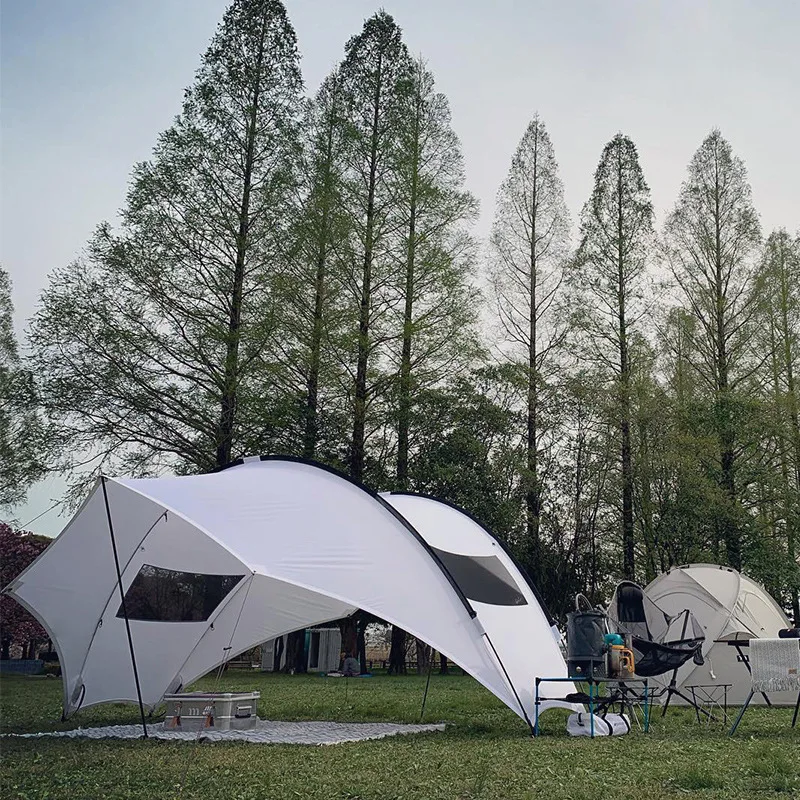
(775, 664)
(267, 732)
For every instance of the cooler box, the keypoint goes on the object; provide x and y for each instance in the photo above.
(222, 711)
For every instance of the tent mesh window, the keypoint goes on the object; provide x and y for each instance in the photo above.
(166, 595)
(482, 578)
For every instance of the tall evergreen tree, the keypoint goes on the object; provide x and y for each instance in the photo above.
(779, 286)
(437, 302)
(530, 239)
(436, 305)
(374, 73)
(310, 286)
(711, 237)
(156, 347)
(686, 500)
(616, 236)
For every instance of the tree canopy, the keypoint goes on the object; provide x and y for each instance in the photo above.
(301, 274)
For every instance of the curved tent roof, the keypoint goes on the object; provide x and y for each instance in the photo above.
(214, 564)
(505, 599)
(729, 605)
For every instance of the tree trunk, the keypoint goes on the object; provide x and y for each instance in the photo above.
(361, 644)
(404, 415)
(646, 510)
(533, 500)
(295, 652)
(397, 652)
(228, 402)
(628, 565)
(730, 532)
(360, 399)
(311, 432)
(423, 657)
(349, 629)
(443, 664)
(312, 382)
(793, 509)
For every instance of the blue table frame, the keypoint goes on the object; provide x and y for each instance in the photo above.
(594, 694)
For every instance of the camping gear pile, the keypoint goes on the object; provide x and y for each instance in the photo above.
(596, 655)
(692, 618)
(593, 652)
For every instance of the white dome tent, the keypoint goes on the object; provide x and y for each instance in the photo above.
(212, 565)
(729, 606)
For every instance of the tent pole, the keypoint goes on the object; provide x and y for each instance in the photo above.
(427, 684)
(124, 608)
(513, 688)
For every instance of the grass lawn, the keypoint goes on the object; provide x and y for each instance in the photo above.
(485, 752)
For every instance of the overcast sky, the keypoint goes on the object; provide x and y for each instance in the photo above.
(86, 85)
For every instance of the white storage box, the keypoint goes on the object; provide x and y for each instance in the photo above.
(223, 711)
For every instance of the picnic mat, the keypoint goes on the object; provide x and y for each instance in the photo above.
(266, 732)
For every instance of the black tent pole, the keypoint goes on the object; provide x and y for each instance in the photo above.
(124, 609)
(513, 688)
(427, 684)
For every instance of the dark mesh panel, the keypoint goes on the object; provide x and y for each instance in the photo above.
(166, 595)
(482, 578)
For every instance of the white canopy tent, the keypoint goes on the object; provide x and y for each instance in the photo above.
(505, 599)
(729, 606)
(214, 564)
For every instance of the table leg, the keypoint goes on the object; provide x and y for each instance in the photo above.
(741, 712)
(725, 706)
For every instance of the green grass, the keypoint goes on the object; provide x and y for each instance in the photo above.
(484, 753)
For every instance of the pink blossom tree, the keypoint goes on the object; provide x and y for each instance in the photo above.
(17, 550)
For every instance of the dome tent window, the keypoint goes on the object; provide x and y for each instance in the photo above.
(167, 595)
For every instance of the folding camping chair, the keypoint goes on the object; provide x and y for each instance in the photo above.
(775, 666)
(660, 642)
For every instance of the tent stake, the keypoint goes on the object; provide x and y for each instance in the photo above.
(124, 608)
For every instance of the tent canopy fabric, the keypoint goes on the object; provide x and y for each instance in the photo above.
(214, 564)
(728, 605)
(503, 596)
